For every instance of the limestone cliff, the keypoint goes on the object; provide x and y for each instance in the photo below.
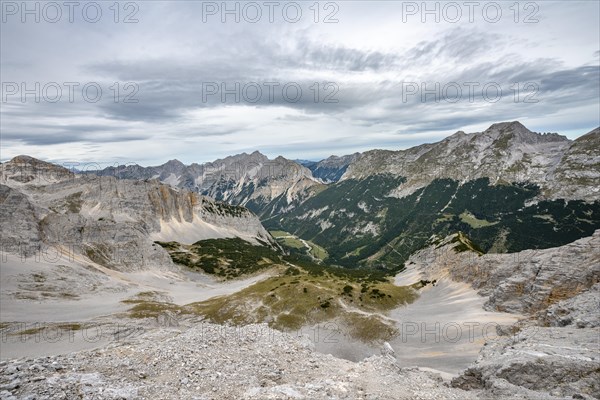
(112, 222)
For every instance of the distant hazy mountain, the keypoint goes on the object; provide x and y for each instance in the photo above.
(330, 169)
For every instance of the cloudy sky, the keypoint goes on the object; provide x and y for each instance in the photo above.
(293, 79)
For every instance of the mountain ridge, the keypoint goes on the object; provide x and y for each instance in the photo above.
(505, 151)
(113, 222)
(519, 155)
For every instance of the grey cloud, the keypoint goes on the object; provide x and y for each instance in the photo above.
(164, 101)
(48, 134)
(170, 54)
(343, 58)
(457, 44)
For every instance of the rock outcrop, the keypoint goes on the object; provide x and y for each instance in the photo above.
(581, 311)
(521, 283)
(538, 363)
(553, 351)
(28, 170)
(20, 224)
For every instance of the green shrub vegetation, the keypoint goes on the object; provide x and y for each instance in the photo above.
(227, 258)
(289, 302)
(494, 217)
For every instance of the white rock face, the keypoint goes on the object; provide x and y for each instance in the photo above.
(582, 311)
(578, 171)
(113, 222)
(505, 152)
(25, 170)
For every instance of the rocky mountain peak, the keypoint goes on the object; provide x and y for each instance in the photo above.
(254, 157)
(592, 136)
(340, 159)
(459, 134)
(516, 131)
(28, 160)
(174, 162)
(508, 126)
(174, 165)
(27, 169)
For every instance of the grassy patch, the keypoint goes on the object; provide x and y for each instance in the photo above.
(463, 244)
(278, 234)
(74, 202)
(289, 302)
(32, 295)
(70, 327)
(38, 329)
(152, 309)
(317, 251)
(291, 242)
(445, 218)
(298, 246)
(368, 327)
(473, 221)
(143, 297)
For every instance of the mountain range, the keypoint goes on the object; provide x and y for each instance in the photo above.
(507, 188)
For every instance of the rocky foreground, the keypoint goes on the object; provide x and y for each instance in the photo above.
(206, 361)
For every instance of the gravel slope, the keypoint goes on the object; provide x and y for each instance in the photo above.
(206, 361)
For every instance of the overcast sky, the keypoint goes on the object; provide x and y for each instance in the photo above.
(369, 66)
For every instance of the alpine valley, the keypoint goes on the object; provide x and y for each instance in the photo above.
(338, 278)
